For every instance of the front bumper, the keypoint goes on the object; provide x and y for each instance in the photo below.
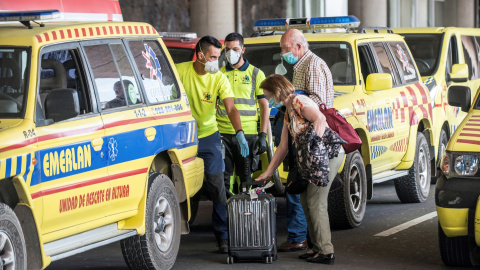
(458, 206)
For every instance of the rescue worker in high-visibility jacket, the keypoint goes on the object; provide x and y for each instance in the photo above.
(245, 80)
(203, 84)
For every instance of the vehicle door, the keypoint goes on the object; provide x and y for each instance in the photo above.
(72, 151)
(418, 103)
(125, 118)
(386, 118)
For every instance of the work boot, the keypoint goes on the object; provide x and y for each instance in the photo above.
(222, 246)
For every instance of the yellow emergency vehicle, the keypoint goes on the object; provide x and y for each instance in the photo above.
(457, 190)
(445, 56)
(379, 91)
(97, 142)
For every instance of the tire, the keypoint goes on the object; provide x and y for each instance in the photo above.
(454, 251)
(12, 241)
(158, 247)
(442, 144)
(347, 203)
(415, 187)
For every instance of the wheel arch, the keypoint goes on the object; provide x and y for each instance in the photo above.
(14, 193)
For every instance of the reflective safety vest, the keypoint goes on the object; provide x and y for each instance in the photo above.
(245, 85)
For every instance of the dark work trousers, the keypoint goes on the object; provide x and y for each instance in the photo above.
(210, 150)
(234, 159)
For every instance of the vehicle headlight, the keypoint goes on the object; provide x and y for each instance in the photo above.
(466, 165)
(459, 164)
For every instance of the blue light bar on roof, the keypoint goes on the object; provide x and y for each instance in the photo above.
(306, 23)
(31, 15)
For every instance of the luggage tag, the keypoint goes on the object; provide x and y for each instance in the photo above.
(253, 193)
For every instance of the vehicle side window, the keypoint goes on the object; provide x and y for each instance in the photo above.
(114, 80)
(157, 76)
(471, 53)
(61, 73)
(383, 59)
(366, 61)
(338, 57)
(405, 64)
(452, 54)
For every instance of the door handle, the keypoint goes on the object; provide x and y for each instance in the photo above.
(97, 144)
(150, 133)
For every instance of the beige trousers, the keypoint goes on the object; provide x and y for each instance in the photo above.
(315, 205)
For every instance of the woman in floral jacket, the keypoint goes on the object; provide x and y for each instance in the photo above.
(318, 158)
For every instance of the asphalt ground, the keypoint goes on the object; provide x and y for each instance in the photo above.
(392, 236)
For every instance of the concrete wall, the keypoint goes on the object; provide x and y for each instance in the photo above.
(164, 15)
(212, 17)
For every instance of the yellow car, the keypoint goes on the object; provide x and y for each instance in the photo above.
(97, 142)
(379, 90)
(457, 189)
(445, 56)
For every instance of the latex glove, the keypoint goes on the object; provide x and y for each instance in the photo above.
(261, 143)
(243, 144)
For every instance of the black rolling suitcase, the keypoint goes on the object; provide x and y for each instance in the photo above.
(252, 229)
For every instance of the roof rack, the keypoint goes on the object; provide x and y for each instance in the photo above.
(375, 29)
(185, 35)
(25, 17)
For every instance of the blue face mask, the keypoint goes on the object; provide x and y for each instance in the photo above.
(274, 105)
(290, 58)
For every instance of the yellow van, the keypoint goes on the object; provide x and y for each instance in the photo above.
(379, 91)
(97, 142)
(457, 193)
(445, 56)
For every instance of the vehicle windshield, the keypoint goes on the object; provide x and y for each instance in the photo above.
(13, 82)
(337, 55)
(426, 51)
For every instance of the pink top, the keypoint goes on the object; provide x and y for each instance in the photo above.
(293, 118)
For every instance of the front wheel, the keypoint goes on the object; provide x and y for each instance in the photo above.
(347, 203)
(415, 187)
(12, 243)
(454, 251)
(442, 144)
(158, 247)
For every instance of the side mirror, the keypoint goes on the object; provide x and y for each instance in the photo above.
(62, 104)
(378, 81)
(459, 73)
(459, 96)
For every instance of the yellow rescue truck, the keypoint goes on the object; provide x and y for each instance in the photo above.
(379, 90)
(445, 57)
(97, 142)
(457, 190)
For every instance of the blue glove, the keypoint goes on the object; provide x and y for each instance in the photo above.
(243, 144)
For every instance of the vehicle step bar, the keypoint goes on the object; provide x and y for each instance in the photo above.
(81, 242)
(385, 176)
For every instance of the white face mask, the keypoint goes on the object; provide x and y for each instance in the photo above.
(210, 66)
(280, 69)
(233, 57)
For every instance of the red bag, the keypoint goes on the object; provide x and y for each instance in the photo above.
(337, 123)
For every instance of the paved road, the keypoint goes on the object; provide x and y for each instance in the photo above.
(414, 247)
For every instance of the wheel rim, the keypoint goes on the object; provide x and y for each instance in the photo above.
(6, 252)
(355, 188)
(443, 145)
(422, 169)
(163, 224)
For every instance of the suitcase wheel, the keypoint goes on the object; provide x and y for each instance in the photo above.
(269, 259)
(230, 260)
